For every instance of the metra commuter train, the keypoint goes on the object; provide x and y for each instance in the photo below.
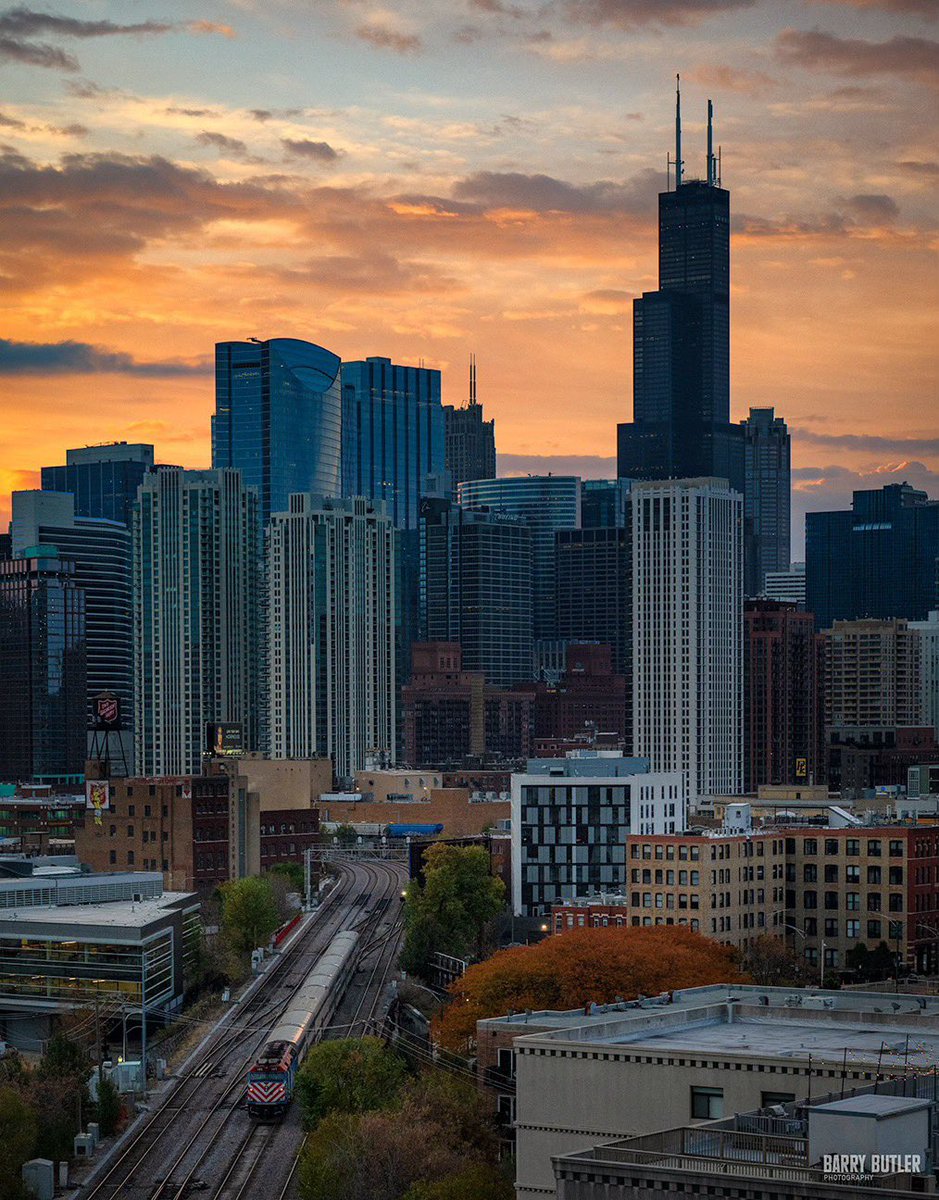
(271, 1079)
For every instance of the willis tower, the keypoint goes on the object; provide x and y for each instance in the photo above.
(681, 339)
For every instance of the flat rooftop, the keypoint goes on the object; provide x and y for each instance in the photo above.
(798, 1040)
(116, 914)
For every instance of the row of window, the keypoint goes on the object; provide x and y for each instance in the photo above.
(850, 901)
(849, 846)
(852, 874)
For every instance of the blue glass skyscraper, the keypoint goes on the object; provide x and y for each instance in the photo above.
(393, 434)
(103, 479)
(278, 418)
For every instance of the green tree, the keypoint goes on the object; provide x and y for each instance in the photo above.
(293, 872)
(351, 1075)
(109, 1107)
(249, 912)
(18, 1129)
(345, 835)
(482, 1181)
(450, 912)
(64, 1059)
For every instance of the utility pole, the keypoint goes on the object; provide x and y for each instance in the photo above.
(98, 1040)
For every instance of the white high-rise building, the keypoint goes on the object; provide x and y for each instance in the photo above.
(197, 566)
(331, 626)
(929, 668)
(687, 542)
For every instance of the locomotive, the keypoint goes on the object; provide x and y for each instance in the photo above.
(272, 1077)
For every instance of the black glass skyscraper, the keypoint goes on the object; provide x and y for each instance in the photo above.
(278, 418)
(681, 341)
(103, 479)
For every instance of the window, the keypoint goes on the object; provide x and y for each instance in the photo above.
(874, 902)
(874, 875)
(131, 810)
(852, 874)
(811, 926)
(896, 876)
(873, 849)
(853, 901)
(852, 846)
(831, 900)
(707, 1103)
(809, 846)
(895, 903)
(852, 928)
(831, 874)
(112, 856)
(896, 848)
(810, 873)
(873, 929)
(831, 845)
(507, 1063)
(810, 900)
(831, 927)
(130, 858)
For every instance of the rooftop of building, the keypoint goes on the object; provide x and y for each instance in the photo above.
(115, 914)
(747, 1021)
(587, 763)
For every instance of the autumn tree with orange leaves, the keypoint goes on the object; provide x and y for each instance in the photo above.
(579, 967)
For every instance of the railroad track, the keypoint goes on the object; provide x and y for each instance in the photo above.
(153, 1162)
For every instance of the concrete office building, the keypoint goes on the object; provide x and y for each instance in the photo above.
(691, 1056)
(196, 611)
(572, 818)
(687, 550)
(928, 632)
(873, 675)
(788, 587)
(331, 639)
(545, 503)
(103, 479)
(115, 941)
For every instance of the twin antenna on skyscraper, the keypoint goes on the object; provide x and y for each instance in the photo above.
(713, 161)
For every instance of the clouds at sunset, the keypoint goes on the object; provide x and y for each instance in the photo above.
(477, 175)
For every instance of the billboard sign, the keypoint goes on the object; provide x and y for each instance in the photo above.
(107, 711)
(97, 797)
(224, 739)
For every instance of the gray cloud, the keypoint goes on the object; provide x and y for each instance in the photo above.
(384, 38)
(81, 358)
(304, 148)
(920, 8)
(919, 168)
(233, 147)
(913, 57)
(36, 54)
(870, 442)
(874, 209)
(629, 14)
(544, 193)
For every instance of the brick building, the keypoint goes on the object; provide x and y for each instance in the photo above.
(588, 696)
(783, 695)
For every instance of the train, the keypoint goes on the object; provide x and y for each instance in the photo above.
(272, 1078)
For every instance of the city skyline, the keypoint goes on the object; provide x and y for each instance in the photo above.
(450, 179)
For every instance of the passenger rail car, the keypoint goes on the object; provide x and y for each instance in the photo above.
(271, 1079)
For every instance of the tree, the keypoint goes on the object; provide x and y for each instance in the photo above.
(109, 1107)
(771, 963)
(249, 912)
(482, 1181)
(348, 1076)
(449, 913)
(293, 872)
(64, 1059)
(18, 1128)
(579, 967)
(345, 835)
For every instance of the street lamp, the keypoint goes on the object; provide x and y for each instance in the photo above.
(804, 936)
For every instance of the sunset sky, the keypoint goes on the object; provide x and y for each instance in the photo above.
(426, 178)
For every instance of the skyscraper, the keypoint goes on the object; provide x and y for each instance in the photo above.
(783, 696)
(196, 615)
(470, 441)
(100, 550)
(476, 588)
(681, 340)
(928, 631)
(765, 497)
(278, 418)
(879, 559)
(331, 678)
(546, 503)
(103, 479)
(687, 546)
(392, 434)
(43, 719)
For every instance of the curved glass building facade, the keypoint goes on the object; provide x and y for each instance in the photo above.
(278, 418)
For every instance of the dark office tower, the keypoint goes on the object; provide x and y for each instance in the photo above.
(681, 341)
(546, 503)
(103, 479)
(879, 560)
(392, 434)
(101, 553)
(765, 498)
(278, 418)
(783, 701)
(476, 588)
(470, 441)
(42, 664)
(604, 503)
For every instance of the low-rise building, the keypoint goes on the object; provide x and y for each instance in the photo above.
(702, 1054)
(572, 817)
(118, 941)
(459, 811)
(35, 820)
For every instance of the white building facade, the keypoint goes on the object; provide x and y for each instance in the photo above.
(571, 821)
(331, 627)
(687, 540)
(929, 674)
(197, 561)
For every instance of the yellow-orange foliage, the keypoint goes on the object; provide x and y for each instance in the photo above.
(580, 966)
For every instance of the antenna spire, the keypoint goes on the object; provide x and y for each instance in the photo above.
(472, 381)
(711, 172)
(678, 162)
